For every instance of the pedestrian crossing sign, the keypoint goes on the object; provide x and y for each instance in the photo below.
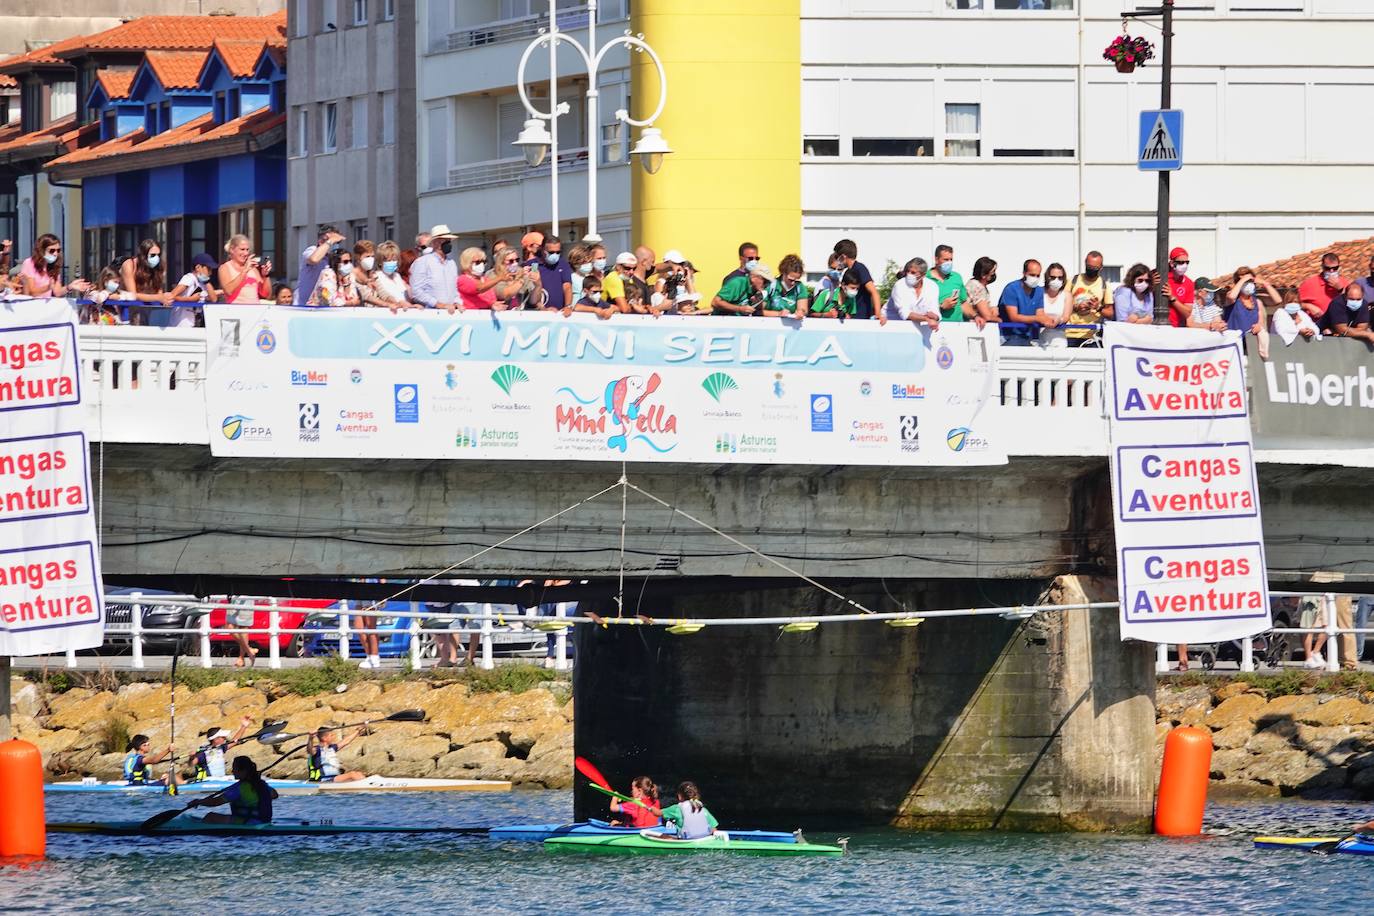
(1161, 140)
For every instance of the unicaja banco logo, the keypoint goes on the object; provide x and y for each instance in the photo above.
(717, 383)
(507, 377)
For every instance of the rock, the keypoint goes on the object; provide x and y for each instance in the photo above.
(221, 693)
(361, 697)
(1363, 782)
(530, 705)
(106, 766)
(49, 743)
(86, 713)
(1196, 714)
(26, 698)
(1340, 711)
(465, 735)
(73, 763)
(1232, 736)
(405, 695)
(525, 735)
(1172, 701)
(1333, 745)
(414, 750)
(1276, 739)
(143, 702)
(1360, 762)
(246, 701)
(1162, 730)
(60, 701)
(1286, 708)
(288, 706)
(1294, 771)
(1233, 689)
(567, 710)
(1243, 708)
(474, 762)
(1230, 764)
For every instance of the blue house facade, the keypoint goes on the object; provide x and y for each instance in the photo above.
(188, 149)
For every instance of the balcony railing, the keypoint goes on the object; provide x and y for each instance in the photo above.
(510, 170)
(505, 30)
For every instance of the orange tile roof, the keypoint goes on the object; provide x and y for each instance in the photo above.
(181, 33)
(239, 56)
(50, 134)
(23, 63)
(116, 83)
(8, 82)
(176, 69)
(1288, 273)
(194, 132)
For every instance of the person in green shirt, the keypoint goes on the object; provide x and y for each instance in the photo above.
(952, 295)
(744, 294)
(841, 301)
(788, 296)
(689, 815)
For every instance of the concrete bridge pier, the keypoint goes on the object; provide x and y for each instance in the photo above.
(959, 723)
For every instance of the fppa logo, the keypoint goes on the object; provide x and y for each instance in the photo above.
(625, 402)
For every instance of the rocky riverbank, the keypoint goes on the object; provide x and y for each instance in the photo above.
(1312, 738)
(524, 737)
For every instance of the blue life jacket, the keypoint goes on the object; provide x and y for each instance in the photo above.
(252, 802)
(135, 770)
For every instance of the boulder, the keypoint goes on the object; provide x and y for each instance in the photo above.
(1294, 771)
(26, 698)
(525, 735)
(1172, 701)
(1230, 764)
(1333, 745)
(142, 702)
(361, 697)
(465, 735)
(1232, 736)
(413, 750)
(1287, 708)
(288, 706)
(49, 743)
(1363, 782)
(1162, 730)
(221, 693)
(530, 705)
(1233, 689)
(552, 771)
(1340, 711)
(106, 766)
(59, 701)
(405, 695)
(567, 710)
(245, 701)
(1244, 708)
(1276, 739)
(477, 761)
(86, 713)
(1196, 714)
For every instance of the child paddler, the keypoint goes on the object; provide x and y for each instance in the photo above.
(689, 815)
(138, 762)
(322, 764)
(249, 799)
(208, 761)
(644, 814)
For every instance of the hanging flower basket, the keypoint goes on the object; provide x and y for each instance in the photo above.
(1128, 53)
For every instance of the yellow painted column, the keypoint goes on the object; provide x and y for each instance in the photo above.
(733, 119)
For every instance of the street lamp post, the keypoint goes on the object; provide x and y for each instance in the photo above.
(535, 140)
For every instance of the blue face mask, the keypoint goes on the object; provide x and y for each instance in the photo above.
(835, 273)
(551, 258)
(751, 264)
(154, 260)
(389, 267)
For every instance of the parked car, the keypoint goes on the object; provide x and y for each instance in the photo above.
(157, 619)
(291, 614)
(394, 618)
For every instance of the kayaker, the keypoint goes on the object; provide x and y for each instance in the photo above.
(208, 762)
(323, 762)
(249, 799)
(646, 814)
(689, 815)
(137, 762)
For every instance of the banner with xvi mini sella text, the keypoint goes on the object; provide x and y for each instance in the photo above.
(1185, 495)
(50, 589)
(365, 383)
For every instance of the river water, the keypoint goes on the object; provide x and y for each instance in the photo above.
(886, 871)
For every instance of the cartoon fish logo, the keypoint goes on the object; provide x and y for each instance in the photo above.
(623, 399)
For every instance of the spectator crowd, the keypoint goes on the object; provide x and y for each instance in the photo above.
(1043, 303)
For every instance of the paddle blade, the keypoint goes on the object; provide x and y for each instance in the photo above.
(271, 727)
(589, 770)
(406, 715)
(276, 738)
(162, 817)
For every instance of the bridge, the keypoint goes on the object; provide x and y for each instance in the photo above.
(1036, 723)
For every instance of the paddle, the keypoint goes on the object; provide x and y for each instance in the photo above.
(162, 817)
(1325, 849)
(602, 784)
(172, 762)
(405, 715)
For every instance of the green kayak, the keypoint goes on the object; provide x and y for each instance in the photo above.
(650, 843)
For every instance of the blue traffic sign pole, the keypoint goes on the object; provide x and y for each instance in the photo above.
(1162, 207)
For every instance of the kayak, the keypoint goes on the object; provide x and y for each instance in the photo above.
(119, 787)
(401, 784)
(541, 832)
(1359, 845)
(186, 825)
(649, 843)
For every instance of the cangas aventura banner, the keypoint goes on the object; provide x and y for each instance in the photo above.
(1190, 546)
(50, 587)
(364, 383)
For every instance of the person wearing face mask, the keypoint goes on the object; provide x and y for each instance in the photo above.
(195, 286)
(788, 296)
(1207, 311)
(743, 295)
(1367, 283)
(1058, 302)
(950, 285)
(1347, 315)
(614, 283)
(592, 301)
(979, 306)
(1290, 321)
(1022, 307)
(913, 298)
(313, 262)
(833, 271)
(1315, 293)
(422, 245)
(144, 278)
(1245, 310)
(1091, 299)
(476, 284)
(434, 276)
(840, 301)
(1135, 299)
(41, 274)
(364, 261)
(531, 243)
(1180, 289)
(388, 288)
(336, 287)
(675, 286)
(748, 260)
(517, 286)
(554, 273)
(869, 305)
(106, 290)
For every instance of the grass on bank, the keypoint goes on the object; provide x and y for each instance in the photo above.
(310, 680)
(1289, 682)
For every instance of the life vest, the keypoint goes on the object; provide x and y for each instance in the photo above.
(694, 824)
(209, 763)
(323, 763)
(135, 770)
(253, 803)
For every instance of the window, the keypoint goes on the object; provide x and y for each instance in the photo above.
(436, 149)
(360, 12)
(357, 230)
(235, 222)
(388, 232)
(269, 240)
(820, 146)
(962, 123)
(893, 146)
(387, 101)
(164, 116)
(1023, 5)
(359, 105)
(300, 18)
(388, 10)
(302, 131)
(330, 142)
(200, 238)
(31, 106)
(613, 143)
(221, 109)
(1033, 153)
(62, 100)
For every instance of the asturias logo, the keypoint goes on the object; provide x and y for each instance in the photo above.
(717, 383)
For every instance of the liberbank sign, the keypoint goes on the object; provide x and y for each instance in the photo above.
(1313, 393)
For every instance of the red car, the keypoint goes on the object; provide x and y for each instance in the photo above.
(291, 614)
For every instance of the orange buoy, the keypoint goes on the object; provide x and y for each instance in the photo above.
(1183, 782)
(22, 832)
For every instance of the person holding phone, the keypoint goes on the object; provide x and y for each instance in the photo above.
(244, 277)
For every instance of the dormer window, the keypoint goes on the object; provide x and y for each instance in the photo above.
(108, 125)
(220, 104)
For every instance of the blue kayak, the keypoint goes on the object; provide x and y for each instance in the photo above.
(119, 787)
(537, 833)
(1358, 845)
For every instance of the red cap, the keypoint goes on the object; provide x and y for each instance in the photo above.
(1178, 254)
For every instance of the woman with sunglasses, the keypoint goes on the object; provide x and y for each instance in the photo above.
(477, 285)
(41, 274)
(517, 286)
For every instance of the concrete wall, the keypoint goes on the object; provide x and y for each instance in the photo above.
(957, 723)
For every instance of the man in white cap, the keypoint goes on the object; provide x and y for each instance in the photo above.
(208, 762)
(434, 276)
(613, 284)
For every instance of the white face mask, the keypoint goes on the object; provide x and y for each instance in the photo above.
(428, 249)
(1354, 304)
(1331, 275)
(595, 297)
(154, 260)
(478, 269)
(599, 263)
(1142, 285)
(1247, 288)
(912, 280)
(368, 262)
(50, 258)
(751, 264)
(111, 286)
(1292, 308)
(1032, 282)
(1056, 284)
(946, 266)
(1180, 270)
(585, 268)
(851, 291)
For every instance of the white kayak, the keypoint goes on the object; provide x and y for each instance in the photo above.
(403, 784)
(290, 786)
